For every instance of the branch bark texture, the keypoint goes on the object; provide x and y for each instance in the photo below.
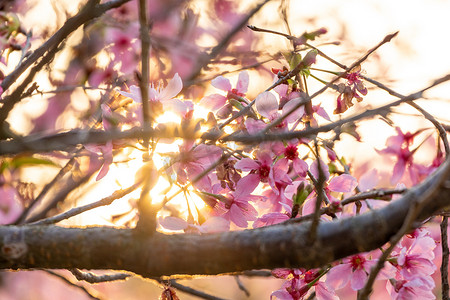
(283, 245)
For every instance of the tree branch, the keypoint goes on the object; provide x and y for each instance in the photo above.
(284, 245)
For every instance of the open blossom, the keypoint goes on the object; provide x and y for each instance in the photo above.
(355, 270)
(218, 101)
(160, 99)
(299, 285)
(398, 146)
(341, 184)
(235, 206)
(193, 160)
(263, 170)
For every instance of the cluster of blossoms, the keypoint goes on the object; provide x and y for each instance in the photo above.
(251, 186)
(274, 182)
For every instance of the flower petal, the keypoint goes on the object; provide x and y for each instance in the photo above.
(266, 104)
(172, 89)
(242, 83)
(213, 102)
(221, 83)
(343, 183)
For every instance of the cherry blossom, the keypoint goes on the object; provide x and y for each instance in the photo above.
(354, 269)
(235, 206)
(263, 170)
(398, 146)
(299, 283)
(161, 99)
(342, 184)
(219, 102)
(193, 160)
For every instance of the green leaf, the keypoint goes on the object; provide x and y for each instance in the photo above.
(295, 60)
(22, 161)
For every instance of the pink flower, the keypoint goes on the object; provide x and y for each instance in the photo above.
(192, 161)
(124, 46)
(353, 269)
(415, 257)
(398, 146)
(10, 205)
(290, 153)
(219, 102)
(235, 206)
(417, 288)
(160, 99)
(342, 184)
(299, 283)
(263, 170)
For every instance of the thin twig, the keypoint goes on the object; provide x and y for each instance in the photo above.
(320, 196)
(90, 11)
(241, 286)
(78, 210)
(203, 62)
(64, 170)
(189, 290)
(280, 119)
(95, 278)
(82, 288)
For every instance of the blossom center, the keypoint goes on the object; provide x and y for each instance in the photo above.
(290, 152)
(357, 262)
(264, 171)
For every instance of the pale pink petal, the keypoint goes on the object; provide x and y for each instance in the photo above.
(309, 206)
(281, 273)
(152, 94)
(242, 83)
(172, 89)
(266, 104)
(300, 166)
(254, 126)
(343, 183)
(237, 216)
(246, 164)
(321, 112)
(359, 279)
(246, 185)
(296, 114)
(213, 102)
(11, 207)
(368, 180)
(173, 223)
(315, 170)
(135, 93)
(215, 224)
(175, 105)
(323, 292)
(221, 83)
(281, 89)
(281, 294)
(339, 276)
(107, 160)
(399, 169)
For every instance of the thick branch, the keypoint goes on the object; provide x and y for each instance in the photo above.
(264, 248)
